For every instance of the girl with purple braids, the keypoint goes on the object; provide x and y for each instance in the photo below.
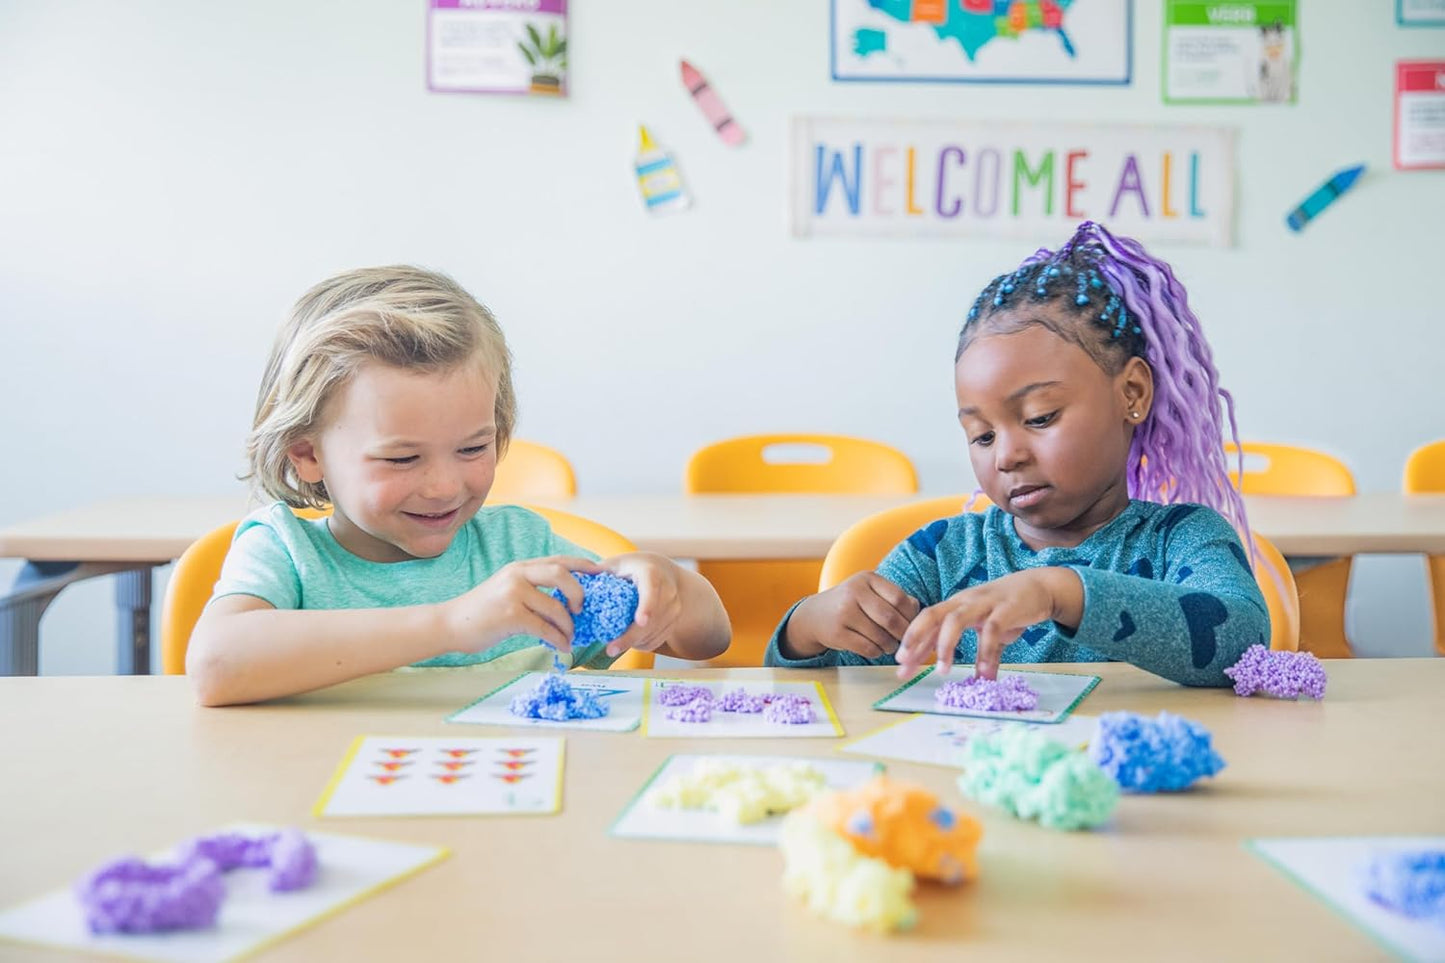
(1095, 421)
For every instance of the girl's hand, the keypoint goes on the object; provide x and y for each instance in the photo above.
(865, 614)
(659, 600)
(999, 610)
(509, 603)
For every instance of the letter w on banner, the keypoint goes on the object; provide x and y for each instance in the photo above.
(893, 178)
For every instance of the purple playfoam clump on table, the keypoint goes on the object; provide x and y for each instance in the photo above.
(230, 850)
(696, 703)
(133, 896)
(1411, 883)
(1284, 675)
(130, 895)
(1010, 694)
(698, 710)
(681, 695)
(793, 710)
(557, 699)
(740, 700)
(293, 861)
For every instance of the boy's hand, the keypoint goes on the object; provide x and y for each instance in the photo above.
(509, 603)
(999, 610)
(659, 600)
(865, 614)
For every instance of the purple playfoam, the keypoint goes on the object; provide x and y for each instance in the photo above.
(681, 695)
(793, 710)
(130, 895)
(133, 896)
(1284, 675)
(293, 861)
(1009, 694)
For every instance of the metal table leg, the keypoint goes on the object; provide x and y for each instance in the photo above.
(36, 587)
(133, 631)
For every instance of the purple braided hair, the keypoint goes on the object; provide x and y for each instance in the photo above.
(1127, 304)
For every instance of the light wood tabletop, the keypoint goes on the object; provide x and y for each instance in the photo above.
(99, 767)
(130, 536)
(157, 530)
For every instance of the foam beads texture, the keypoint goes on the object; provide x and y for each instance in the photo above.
(1164, 754)
(557, 699)
(1284, 675)
(739, 793)
(852, 855)
(1035, 777)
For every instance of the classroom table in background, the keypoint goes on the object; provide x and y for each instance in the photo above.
(104, 766)
(132, 536)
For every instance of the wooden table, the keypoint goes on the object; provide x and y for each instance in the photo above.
(99, 767)
(133, 535)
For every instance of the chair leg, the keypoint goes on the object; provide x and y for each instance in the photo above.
(1323, 590)
(1435, 569)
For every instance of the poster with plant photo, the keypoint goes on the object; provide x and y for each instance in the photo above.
(497, 46)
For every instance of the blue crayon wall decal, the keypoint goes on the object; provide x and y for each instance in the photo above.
(1323, 197)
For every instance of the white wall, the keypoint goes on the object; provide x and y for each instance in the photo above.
(174, 174)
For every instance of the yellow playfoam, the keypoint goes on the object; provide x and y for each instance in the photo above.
(838, 883)
(852, 855)
(744, 794)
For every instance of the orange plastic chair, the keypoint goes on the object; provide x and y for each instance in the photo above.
(1323, 588)
(757, 593)
(530, 470)
(866, 543)
(1425, 474)
(189, 589)
(1281, 594)
(196, 571)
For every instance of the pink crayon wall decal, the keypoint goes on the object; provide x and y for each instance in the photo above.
(712, 106)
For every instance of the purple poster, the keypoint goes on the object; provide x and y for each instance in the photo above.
(497, 46)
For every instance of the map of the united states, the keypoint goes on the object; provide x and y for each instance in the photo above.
(973, 23)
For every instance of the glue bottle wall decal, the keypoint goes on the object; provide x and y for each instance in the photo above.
(657, 176)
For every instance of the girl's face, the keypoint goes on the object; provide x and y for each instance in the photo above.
(407, 457)
(1049, 431)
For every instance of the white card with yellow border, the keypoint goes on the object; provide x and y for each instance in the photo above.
(349, 869)
(939, 740)
(424, 776)
(665, 714)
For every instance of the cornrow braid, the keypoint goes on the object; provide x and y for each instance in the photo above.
(1107, 295)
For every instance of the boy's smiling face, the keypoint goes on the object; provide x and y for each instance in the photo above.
(407, 457)
(1049, 430)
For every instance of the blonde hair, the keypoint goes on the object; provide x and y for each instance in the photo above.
(401, 316)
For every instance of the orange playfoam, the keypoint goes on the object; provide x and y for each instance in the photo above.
(905, 826)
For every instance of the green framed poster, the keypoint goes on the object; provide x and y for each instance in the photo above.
(1230, 53)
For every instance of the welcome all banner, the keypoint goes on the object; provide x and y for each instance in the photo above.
(981, 179)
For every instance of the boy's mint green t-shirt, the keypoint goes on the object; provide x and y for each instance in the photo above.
(295, 563)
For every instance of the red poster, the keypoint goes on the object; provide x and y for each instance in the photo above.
(1419, 114)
